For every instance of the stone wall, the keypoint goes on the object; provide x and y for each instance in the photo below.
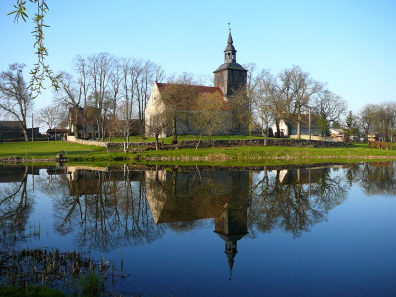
(86, 142)
(220, 143)
(109, 144)
(270, 142)
(316, 137)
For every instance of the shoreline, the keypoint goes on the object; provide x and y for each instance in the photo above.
(210, 159)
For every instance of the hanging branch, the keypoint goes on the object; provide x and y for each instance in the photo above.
(40, 70)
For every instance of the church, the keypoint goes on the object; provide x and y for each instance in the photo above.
(229, 82)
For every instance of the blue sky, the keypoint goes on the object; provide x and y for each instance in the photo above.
(351, 45)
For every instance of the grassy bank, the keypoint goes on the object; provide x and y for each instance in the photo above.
(35, 152)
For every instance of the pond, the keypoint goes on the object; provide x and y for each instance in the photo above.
(324, 230)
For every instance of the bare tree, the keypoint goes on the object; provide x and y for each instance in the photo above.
(49, 115)
(70, 95)
(330, 106)
(81, 67)
(100, 69)
(14, 97)
(263, 112)
(177, 98)
(298, 87)
(157, 125)
(212, 114)
(250, 89)
(384, 121)
(272, 91)
(367, 118)
(130, 71)
(149, 72)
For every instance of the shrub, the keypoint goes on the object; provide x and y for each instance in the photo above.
(380, 145)
(92, 284)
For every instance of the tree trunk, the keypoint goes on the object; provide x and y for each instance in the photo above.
(266, 137)
(174, 131)
(76, 121)
(25, 133)
(299, 123)
(277, 124)
(156, 141)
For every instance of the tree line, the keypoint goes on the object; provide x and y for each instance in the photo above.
(288, 96)
(376, 119)
(119, 89)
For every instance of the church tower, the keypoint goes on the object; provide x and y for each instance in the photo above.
(231, 77)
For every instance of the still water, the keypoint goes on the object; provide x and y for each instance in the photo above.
(205, 231)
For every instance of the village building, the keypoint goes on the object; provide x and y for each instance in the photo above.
(337, 133)
(83, 122)
(10, 129)
(14, 130)
(229, 80)
(57, 134)
(308, 126)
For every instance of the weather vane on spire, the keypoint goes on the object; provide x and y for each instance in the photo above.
(229, 27)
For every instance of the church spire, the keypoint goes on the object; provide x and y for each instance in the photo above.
(230, 52)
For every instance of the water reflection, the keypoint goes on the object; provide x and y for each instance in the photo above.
(182, 199)
(378, 178)
(294, 199)
(105, 208)
(16, 203)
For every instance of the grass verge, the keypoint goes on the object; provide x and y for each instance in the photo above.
(36, 152)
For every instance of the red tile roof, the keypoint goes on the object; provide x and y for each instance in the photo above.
(192, 101)
(198, 89)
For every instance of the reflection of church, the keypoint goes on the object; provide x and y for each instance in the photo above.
(231, 226)
(188, 196)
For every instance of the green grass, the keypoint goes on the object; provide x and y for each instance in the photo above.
(243, 155)
(30, 291)
(43, 149)
(276, 155)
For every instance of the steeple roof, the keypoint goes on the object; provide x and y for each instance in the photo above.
(230, 56)
(230, 42)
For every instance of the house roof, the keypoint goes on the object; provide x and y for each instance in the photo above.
(305, 119)
(191, 100)
(58, 131)
(87, 115)
(10, 125)
(336, 130)
(198, 89)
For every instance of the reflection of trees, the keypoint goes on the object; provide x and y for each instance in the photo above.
(378, 178)
(294, 200)
(15, 204)
(107, 209)
(329, 191)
